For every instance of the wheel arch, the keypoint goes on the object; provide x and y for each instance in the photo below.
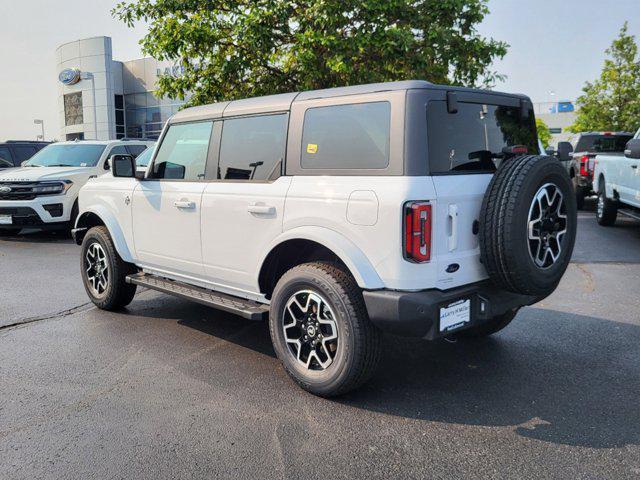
(97, 216)
(306, 244)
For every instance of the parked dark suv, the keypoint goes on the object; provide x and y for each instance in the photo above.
(14, 152)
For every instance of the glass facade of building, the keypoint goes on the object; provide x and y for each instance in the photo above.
(146, 115)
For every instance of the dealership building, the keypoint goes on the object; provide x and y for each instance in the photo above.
(102, 98)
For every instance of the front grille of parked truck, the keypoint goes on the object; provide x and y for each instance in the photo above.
(31, 190)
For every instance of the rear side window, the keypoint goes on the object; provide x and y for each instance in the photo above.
(602, 143)
(136, 150)
(5, 158)
(355, 136)
(475, 138)
(252, 148)
(183, 152)
(23, 153)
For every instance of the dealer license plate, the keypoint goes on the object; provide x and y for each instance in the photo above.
(6, 220)
(455, 315)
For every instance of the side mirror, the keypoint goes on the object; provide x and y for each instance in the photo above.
(564, 151)
(632, 150)
(550, 151)
(123, 166)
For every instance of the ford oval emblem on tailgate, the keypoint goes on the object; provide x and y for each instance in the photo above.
(453, 268)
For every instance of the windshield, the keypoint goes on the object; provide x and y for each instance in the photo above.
(144, 158)
(602, 143)
(67, 155)
(478, 137)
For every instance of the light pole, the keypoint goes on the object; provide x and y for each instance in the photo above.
(89, 76)
(41, 123)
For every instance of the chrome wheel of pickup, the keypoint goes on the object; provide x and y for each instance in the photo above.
(310, 330)
(97, 268)
(547, 225)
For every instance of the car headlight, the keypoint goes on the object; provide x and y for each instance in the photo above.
(52, 188)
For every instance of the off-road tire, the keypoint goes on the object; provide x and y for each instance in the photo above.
(358, 350)
(503, 235)
(490, 327)
(606, 209)
(118, 293)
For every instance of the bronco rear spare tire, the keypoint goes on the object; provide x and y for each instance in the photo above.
(528, 225)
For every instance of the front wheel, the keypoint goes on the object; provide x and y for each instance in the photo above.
(321, 331)
(104, 272)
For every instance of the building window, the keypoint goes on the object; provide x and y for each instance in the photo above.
(73, 109)
(146, 114)
(119, 103)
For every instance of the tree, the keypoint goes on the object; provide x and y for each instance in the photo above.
(231, 49)
(544, 134)
(613, 101)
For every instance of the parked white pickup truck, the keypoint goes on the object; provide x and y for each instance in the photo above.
(617, 181)
(43, 192)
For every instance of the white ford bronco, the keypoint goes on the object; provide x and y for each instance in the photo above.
(43, 192)
(406, 207)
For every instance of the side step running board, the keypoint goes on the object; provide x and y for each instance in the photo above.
(630, 213)
(239, 306)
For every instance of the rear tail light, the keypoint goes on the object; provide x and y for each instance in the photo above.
(417, 231)
(584, 166)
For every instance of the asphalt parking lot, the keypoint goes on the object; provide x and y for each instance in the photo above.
(170, 389)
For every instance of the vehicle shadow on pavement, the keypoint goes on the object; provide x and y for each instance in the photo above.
(553, 376)
(39, 236)
(556, 377)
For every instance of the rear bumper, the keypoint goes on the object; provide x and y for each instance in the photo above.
(417, 314)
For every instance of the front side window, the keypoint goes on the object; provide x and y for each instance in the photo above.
(68, 155)
(136, 150)
(144, 158)
(252, 148)
(477, 137)
(355, 136)
(183, 152)
(118, 150)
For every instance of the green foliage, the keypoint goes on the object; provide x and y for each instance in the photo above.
(543, 132)
(240, 48)
(613, 101)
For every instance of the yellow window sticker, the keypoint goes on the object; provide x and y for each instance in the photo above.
(312, 148)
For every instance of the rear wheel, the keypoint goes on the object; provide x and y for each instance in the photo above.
(320, 329)
(580, 194)
(606, 209)
(104, 272)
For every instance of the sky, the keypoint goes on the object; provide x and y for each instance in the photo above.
(555, 45)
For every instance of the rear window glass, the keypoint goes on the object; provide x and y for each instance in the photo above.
(352, 136)
(475, 138)
(602, 143)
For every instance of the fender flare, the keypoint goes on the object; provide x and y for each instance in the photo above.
(113, 227)
(355, 260)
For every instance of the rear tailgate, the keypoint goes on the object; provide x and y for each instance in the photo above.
(459, 200)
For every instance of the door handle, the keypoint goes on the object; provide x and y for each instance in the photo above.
(184, 204)
(261, 209)
(634, 166)
(452, 241)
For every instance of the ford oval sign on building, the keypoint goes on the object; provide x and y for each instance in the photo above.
(69, 76)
